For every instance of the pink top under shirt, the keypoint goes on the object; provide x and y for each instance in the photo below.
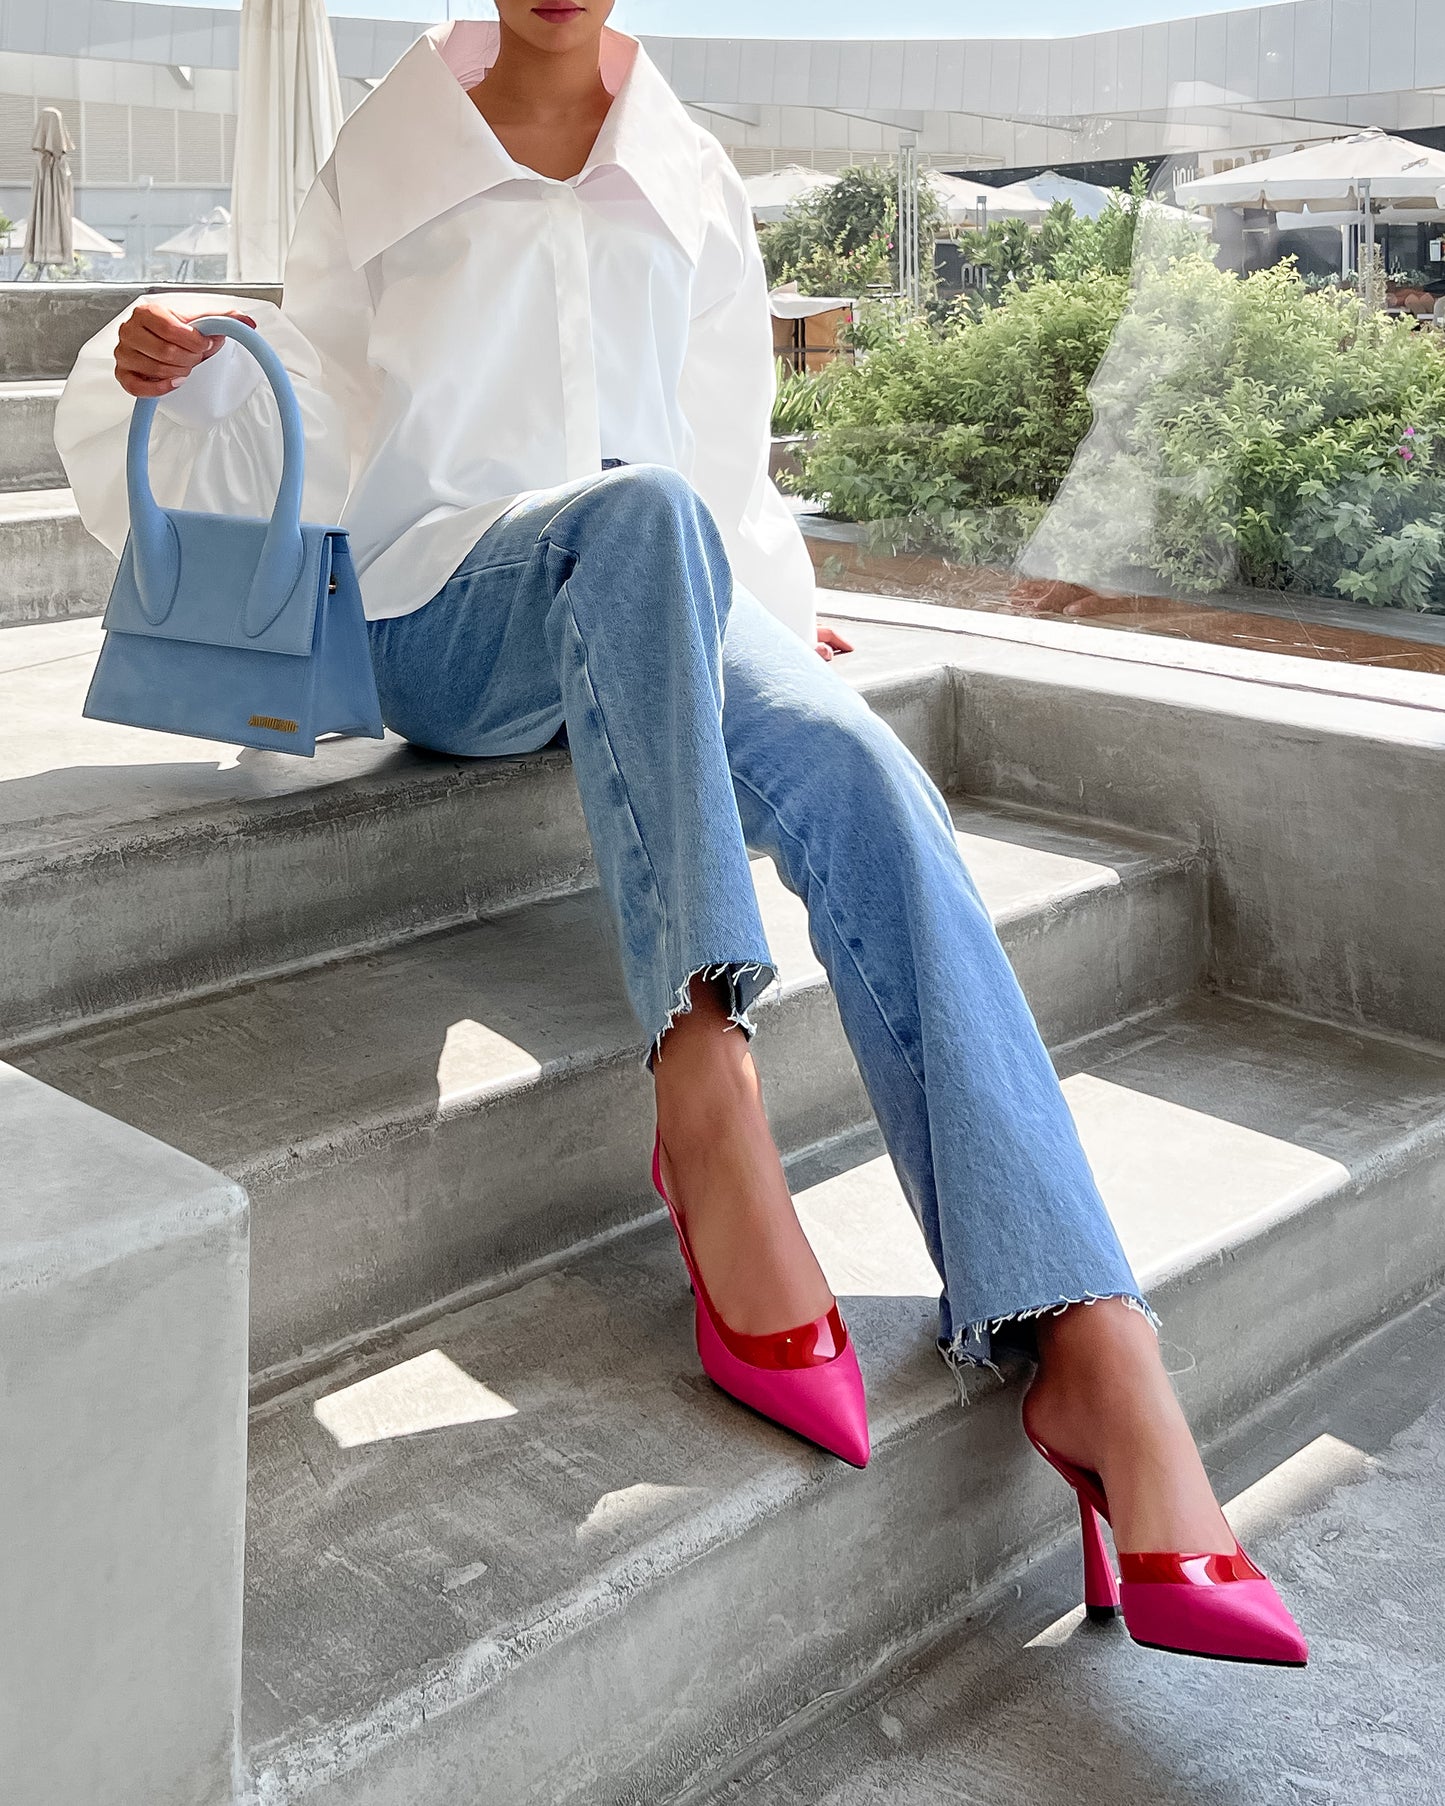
(469, 48)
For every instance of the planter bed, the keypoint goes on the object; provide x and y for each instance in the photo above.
(1303, 626)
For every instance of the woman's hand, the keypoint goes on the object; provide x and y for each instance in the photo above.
(158, 347)
(830, 642)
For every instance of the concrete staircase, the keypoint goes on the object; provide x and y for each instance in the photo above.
(505, 1543)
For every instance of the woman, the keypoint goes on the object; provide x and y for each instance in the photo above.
(526, 319)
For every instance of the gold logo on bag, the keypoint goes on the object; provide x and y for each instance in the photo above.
(274, 722)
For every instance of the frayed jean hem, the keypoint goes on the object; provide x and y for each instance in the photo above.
(746, 981)
(973, 1346)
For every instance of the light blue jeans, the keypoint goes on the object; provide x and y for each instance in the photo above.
(700, 727)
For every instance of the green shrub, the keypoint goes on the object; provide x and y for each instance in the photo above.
(962, 435)
(1256, 432)
(840, 241)
(1196, 430)
(803, 396)
(1066, 245)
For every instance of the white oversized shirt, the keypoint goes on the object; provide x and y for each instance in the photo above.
(461, 331)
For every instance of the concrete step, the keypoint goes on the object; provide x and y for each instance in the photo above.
(28, 458)
(530, 1543)
(1335, 1489)
(448, 1112)
(51, 569)
(139, 868)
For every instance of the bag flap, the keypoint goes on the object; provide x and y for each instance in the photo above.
(218, 555)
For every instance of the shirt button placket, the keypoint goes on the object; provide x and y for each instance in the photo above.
(576, 358)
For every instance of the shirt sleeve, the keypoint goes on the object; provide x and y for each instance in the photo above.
(728, 383)
(215, 442)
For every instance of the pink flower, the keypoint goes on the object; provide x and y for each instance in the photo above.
(1406, 453)
(1409, 432)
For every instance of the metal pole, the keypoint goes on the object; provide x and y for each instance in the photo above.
(909, 278)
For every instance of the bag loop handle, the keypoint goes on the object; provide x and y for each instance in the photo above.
(155, 549)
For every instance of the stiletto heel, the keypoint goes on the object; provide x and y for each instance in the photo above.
(1220, 1606)
(805, 1379)
(1101, 1588)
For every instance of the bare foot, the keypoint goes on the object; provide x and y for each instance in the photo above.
(723, 1173)
(1103, 1401)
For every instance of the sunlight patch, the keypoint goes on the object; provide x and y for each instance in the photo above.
(473, 1056)
(429, 1392)
(615, 1510)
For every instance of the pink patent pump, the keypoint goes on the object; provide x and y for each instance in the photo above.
(805, 1379)
(1219, 1606)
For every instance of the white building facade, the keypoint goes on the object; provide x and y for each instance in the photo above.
(149, 94)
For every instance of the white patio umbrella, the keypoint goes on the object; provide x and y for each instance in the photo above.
(960, 197)
(209, 236)
(771, 194)
(1040, 193)
(1359, 172)
(49, 237)
(85, 240)
(1368, 166)
(288, 115)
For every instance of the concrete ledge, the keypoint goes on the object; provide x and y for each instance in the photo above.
(1316, 791)
(28, 458)
(51, 569)
(44, 324)
(123, 1292)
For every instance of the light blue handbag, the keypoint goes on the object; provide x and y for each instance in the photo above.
(230, 628)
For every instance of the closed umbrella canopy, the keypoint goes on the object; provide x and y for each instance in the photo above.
(771, 194)
(288, 116)
(1342, 171)
(206, 237)
(86, 241)
(49, 237)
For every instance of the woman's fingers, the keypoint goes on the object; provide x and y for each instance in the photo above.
(166, 351)
(168, 329)
(147, 385)
(140, 362)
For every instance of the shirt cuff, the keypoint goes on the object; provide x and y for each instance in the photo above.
(213, 389)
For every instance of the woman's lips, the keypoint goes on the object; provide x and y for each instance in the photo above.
(559, 15)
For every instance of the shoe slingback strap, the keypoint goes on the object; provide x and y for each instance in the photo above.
(155, 549)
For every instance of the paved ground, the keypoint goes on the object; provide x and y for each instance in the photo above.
(1339, 1491)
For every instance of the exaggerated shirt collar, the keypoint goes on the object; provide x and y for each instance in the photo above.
(417, 144)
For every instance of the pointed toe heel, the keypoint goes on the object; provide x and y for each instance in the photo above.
(1218, 1606)
(805, 1379)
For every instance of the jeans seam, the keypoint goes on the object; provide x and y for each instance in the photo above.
(842, 939)
(606, 739)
